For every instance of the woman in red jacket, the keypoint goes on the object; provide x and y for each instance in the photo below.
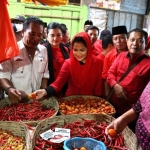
(57, 54)
(82, 71)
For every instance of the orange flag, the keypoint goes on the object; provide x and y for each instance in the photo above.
(8, 44)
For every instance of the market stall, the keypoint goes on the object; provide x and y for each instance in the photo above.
(77, 116)
(43, 125)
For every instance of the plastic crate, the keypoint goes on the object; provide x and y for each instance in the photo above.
(78, 142)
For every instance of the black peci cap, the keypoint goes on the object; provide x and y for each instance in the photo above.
(119, 30)
(88, 22)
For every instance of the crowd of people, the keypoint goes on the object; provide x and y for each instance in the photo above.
(115, 66)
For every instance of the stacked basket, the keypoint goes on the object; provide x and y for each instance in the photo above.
(129, 137)
(47, 103)
(86, 98)
(17, 129)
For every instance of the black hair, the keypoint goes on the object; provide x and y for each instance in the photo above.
(92, 28)
(14, 27)
(53, 25)
(79, 39)
(106, 41)
(45, 24)
(64, 28)
(104, 34)
(31, 19)
(141, 31)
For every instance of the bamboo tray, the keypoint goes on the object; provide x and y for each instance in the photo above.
(87, 97)
(48, 103)
(17, 129)
(129, 137)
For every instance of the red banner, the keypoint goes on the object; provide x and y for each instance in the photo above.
(8, 44)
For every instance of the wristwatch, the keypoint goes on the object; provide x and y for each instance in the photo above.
(8, 88)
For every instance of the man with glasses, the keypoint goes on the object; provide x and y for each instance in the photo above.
(28, 71)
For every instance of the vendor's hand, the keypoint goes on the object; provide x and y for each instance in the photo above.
(119, 91)
(14, 95)
(24, 97)
(118, 124)
(40, 94)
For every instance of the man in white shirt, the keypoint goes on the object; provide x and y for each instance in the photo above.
(29, 71)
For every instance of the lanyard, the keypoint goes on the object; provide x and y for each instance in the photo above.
(29, 55)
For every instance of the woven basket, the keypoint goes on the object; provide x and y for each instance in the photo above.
(48, 103)
(129, 137)
(17, 129)
(85, 97)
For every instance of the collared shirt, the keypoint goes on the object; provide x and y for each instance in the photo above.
(148, 44)
(101, 56)
(98, 45)
(134, 83)
(109, 59)
(26, 74)
(97, 48)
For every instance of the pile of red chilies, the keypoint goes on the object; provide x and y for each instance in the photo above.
(85, 128)
(25, 112)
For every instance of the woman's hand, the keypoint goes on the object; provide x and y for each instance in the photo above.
(119, 91)
(118, 124)
(40, 94)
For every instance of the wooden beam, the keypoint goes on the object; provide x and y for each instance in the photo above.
(52, 16)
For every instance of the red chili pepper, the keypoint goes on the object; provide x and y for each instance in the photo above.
(43, 144)
(87, 133)
(54, 125)
(116, 142)
(48, 142)
(88, 128)
(24, 112)
(37, 148)
(101, 127)
(50, 149)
